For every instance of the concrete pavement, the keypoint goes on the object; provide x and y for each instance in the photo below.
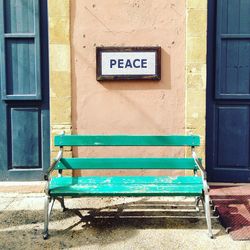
(21, 225)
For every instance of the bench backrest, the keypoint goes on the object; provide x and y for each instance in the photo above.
(126, 140)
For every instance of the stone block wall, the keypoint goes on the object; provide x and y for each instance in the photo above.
(60, 69)
(196, 37)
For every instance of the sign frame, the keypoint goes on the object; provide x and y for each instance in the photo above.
(114, 77)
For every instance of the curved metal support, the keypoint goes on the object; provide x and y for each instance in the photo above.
(56, 160)
(48, 200)
(203, 171)
(205, 198)
(199, 164)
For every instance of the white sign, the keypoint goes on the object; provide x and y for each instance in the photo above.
(128, 63)
(117, 63)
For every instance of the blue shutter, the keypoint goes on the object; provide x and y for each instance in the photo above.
(233, 50)
(20, 50)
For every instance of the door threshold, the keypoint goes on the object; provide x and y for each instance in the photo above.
(227, 184)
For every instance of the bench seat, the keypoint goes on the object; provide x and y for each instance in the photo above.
(126, 186)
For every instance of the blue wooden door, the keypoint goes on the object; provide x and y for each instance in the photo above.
(228, 91)
(24, 98)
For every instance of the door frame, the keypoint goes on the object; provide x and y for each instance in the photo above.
(210, 92)
(210, 78)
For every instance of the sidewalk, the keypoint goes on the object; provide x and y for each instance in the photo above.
(21, 225)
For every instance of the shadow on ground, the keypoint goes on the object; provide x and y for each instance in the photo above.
(104, 226)
(233, 205)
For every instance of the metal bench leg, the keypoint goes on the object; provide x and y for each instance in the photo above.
(61, 200)
(208, 215)
(47, 200)
(51, 206)
(197, 201)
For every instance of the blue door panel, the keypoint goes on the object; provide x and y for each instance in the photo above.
(232, 139)
(25, 138)
(20, 42)
(24, 92)
(234, 68)
(228, 91)
(19, 16)
(233, 16)
(20, 77)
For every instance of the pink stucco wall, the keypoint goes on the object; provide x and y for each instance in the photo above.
(142, 107)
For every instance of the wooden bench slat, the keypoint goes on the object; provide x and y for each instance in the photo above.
(68, 180)
(125, 186)
(126, 140)
(126, 163)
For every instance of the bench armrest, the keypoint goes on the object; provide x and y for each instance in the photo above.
(202, 169)
(55, 161)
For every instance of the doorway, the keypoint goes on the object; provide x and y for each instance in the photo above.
(228, 91)
(24, 99)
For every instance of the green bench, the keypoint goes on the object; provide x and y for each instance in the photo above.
(67, 186)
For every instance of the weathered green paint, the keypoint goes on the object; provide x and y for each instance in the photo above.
(126, 163)
(103, 180)
(126, 140)
(126, 186)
